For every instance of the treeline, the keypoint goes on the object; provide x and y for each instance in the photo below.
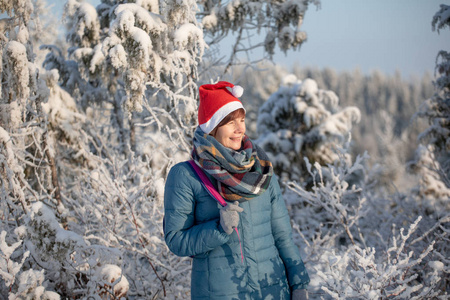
(388, 129)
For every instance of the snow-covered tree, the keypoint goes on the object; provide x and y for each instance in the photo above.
(22, 129)
(432, 160)
(35, 115)
(148, 54)
(279, 23)
(373, 93)
(300, 120)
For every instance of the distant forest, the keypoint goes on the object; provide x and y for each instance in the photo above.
(388, 129)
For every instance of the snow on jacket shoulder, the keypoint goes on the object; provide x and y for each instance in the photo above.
(271, 265)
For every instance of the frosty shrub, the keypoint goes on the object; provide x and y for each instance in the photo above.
(349, 249)
(74, 267)
(339, 203)
(396, 272)
(300, 120)
(122, 208)
(359, 273)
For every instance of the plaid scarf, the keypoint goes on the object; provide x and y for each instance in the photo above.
(241, 175)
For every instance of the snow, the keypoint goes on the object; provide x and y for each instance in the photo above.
(144, 47)
(8, 267)
(286, 36)
(151, 5)
(341, 121)
(6, 141)
(436, 265)
(85, 20)
(309, 89)
(61, 108)
(7, 250)
(22, 35)
(118, 56)
(97, 59)
(209, 21)
(43, 215)
(15, 53)
(131, 14)
(112, 275)
(89, 14)
(187, 33)
(159, 187)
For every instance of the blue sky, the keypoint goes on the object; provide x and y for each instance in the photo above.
(386, 35)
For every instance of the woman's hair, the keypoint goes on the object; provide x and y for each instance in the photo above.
(238, 113)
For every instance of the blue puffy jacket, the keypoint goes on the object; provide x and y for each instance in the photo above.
(271, 265)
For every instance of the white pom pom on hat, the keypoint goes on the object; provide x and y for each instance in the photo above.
(216, 102)
(237, 91)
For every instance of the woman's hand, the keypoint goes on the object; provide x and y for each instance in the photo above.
(299, 295)
(229, 216)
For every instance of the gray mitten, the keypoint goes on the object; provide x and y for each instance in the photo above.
(299, 294)
(229, 216)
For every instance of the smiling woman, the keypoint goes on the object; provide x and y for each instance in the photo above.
(231, 130)
(243, 250)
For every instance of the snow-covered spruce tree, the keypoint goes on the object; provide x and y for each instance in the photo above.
(432, 161)
(23, 163)
(131, 56)
(124, 58)
(300, 120)
(392, 94)
(32, 119)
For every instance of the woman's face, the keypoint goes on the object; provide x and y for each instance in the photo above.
(231, 134)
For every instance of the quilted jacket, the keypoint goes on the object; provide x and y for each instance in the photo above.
(269, 267)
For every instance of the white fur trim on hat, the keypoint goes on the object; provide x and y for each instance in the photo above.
(219, 115)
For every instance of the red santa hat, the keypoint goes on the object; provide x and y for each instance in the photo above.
(216, 102)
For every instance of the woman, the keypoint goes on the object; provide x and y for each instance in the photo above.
(243, 250)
